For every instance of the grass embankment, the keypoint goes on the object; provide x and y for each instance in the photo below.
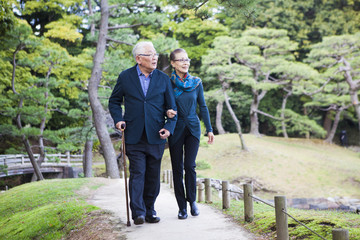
(296, 168)
(47, 209)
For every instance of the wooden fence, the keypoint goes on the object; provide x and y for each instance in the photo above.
(281, 215)
(60, 158)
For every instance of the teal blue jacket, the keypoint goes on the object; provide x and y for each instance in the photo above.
(187, 104)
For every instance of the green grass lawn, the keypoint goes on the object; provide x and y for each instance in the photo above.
(47, 209)
(296, 168)
(322, 222)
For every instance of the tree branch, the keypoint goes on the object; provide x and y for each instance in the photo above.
(124, 26)
(120, 42)
(268, 115)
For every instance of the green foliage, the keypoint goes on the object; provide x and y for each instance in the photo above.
(65, 28)
(299, 124)
(306, 22)
(47, 209)
(4, 169)
(195, 35)
(202, 164)
(7, 18)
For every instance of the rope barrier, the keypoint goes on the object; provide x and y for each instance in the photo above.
(289, 216)
(303, 225)
(260, 200)
(269, 204)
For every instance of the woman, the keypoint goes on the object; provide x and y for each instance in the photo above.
(184, 143)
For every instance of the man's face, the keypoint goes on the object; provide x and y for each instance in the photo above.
(147, 59)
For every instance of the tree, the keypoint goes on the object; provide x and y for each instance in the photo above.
(16, 40)
(218, 63)
(97, 109)
(252, 58)
(293, 76)
(338, 56)
(306, 22)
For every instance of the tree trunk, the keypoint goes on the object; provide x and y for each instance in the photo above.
(97, 109)
(36, 167)
(254, 120)
(87, 158)
(354, 87)
(92, 24)
(330, 138)
(283, 107)
(42, 124)
(87, 155)
(237, 122)
(33, 161)
(219, 109)
(327, 122)
(355, 101)
(307, 134)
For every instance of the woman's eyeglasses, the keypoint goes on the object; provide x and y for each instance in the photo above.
(149, 55)
(183, 60)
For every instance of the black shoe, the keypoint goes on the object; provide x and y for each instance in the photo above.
(139, 220)
(194, 209)
(182, 214)
(152, 219)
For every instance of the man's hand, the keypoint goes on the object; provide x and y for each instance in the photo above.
(164, 133)
(171, 113)
(121, 125)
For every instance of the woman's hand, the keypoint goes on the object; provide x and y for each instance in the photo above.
(171, 113)
(211, 137)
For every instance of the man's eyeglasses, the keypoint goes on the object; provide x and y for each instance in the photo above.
(183, 60)
(149, 55)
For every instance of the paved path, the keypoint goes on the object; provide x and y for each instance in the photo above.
(211, 224)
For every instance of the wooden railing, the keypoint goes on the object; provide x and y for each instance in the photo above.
(60, 158)
(281, 215)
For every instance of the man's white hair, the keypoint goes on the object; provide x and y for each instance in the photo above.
(139, 48)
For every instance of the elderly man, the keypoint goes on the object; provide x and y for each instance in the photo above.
(147, 96)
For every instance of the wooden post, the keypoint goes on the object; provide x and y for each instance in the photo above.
(68, 157)
(171, 179)
(208, 190)
(225, 194)
(282, 230)
(164, 176)
(201, 188)
(340, 234)
(167, 176)
(248, 203)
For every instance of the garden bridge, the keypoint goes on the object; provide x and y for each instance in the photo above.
(57, 165)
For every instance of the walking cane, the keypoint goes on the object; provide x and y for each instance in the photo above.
(122, 128)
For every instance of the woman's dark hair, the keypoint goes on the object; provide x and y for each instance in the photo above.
(176, 51)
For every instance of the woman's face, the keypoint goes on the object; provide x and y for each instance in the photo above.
(181, 63)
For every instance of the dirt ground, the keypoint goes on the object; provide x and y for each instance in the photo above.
(100, 225)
